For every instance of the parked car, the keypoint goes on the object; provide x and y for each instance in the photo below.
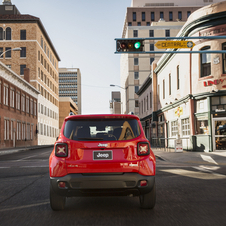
(102, 155)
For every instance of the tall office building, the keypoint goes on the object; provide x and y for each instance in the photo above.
(39, 55)
(70, 85)
(149, 18)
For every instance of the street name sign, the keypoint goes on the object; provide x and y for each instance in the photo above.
(174, 44)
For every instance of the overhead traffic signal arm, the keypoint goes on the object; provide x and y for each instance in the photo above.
(129, 45)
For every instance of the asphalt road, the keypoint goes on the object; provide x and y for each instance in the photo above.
(191, 191)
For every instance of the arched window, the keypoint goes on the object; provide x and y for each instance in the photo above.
(1, 33)
(224, 57)
(8, 33)
(205, 62)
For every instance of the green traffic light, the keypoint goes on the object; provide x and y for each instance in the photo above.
(137, 45)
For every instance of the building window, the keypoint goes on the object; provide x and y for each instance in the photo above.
(136, 75)
(1, 33)
(143, 16)
(167, 33)
(27, 105)
(6, 129)
(1, 52)
(8, 33)
(136, 62)
(18, 100)
(178, 77)
(23, 131)
(188, 13)
(22, 66)
(135, 33)
(151, 60)
(205, 62)
(148, 24)
(12, 92)
(8, 53)
(152, 16)
(185, 127)
(150, 100)
(41, 42)
(23, 52)
(28, 131)
(169, 84)
(161, 15)
(129, 24)
(23, 103)
(136, 89)
(136, 103)
(31, 136)
(170, 16)
(18, 131)
(22, 34)
(163, 89)
(6, 95)
(134, 16)
(224, 58)
(174, 128)
(151, 33)
(138, 23)
(151, 47)
(180, 15)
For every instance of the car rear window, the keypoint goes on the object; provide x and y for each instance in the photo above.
(102, 129)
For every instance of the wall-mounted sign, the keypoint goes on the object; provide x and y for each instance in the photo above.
(216, 60)
(219, 110)
(215, 82)
(179, 111)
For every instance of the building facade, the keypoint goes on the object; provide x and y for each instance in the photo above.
(70, 85)
(146, 19)
(67, 107)
(39, 55)
(115, 103)
(18, 110)
(188, 90)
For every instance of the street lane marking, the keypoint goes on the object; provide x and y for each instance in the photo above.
(4, 167)
(23, 207)
(219, 153)
(31, 156)
(208, 159)
(197, 175)
(206, 168)
(33, 166)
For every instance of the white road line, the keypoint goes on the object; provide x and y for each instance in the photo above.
(31, 156)
(206, 168)
(4, 167)
(33, 166)
(208, 159)
(219, 153)
(197, 175)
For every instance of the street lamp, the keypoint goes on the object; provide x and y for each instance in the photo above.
(112, 85)
(15, 49)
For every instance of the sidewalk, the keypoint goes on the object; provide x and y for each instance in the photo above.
(6, 151)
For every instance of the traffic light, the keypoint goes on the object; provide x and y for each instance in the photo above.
(129, 45)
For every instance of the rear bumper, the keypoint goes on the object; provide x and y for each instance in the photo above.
(102, 184)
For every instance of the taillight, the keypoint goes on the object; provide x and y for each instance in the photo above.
(143, 148)
(61, 150)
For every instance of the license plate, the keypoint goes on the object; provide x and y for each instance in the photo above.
(102, 155)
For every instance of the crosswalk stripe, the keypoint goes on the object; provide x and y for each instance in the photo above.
(197, 175)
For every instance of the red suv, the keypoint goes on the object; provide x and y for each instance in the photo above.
(102, 155)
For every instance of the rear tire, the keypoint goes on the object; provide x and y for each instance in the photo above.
(57, 202)
(147, 201)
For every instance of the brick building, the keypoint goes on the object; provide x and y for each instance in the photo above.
(18, 110)
(39, 55)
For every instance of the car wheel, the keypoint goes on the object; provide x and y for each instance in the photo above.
(147, 201)
(57, 202)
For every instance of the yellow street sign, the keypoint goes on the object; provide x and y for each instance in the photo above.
(174, 44)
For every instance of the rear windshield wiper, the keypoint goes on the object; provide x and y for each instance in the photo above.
(90, 138)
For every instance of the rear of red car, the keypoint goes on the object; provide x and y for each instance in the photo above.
(102, 155)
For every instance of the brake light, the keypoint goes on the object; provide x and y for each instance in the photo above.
(143, 148)
(61, 150)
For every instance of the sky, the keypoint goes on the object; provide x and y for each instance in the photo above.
(83, 33)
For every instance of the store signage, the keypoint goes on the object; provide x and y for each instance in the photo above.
(215, 82)
(219, 110)
(216, 60)
(174, 44)
(179, 111)
(217, 30)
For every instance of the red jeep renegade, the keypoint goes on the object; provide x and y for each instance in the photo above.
(102, 155)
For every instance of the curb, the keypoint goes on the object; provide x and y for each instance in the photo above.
(160, 158)
(11, 151)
